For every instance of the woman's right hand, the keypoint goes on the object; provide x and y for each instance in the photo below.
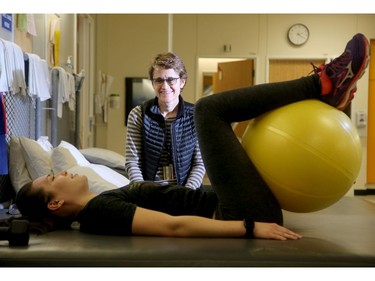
(266, 230)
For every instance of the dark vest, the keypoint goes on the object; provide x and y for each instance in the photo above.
(183, 139)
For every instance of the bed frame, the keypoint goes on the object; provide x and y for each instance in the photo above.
(339, 236)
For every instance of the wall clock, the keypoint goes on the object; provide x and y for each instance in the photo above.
(298, 34)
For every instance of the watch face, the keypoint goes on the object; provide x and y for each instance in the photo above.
(298, 34)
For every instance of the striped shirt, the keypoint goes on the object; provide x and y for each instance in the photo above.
(133, 164)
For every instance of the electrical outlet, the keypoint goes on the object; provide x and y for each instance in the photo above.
(361, 119)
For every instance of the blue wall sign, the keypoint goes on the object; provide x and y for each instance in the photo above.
(6, 21)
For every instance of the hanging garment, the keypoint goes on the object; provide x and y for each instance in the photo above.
(17, 68)
(102, 99)
(72, 91)
(30, 25)
(54, 40)
(65, 87)
(39, 78)
(4, 76)
(14, 67)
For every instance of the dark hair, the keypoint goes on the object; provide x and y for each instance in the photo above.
(33, 206)
(168, 61)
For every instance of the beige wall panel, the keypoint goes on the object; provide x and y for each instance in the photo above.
(240, 31)
(185, 44)
(129, 43)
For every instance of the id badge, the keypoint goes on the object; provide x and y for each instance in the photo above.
(168, 172)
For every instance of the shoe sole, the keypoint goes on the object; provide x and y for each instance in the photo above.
(349, 93)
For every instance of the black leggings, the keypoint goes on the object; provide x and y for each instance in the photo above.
(239, 187)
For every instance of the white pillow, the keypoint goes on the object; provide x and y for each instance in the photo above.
(100, 178)
(105, 157)
(37, 155)
(65, 156)
(18, 173)
(44, 143)
(40, 159)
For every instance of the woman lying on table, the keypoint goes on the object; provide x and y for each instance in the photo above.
(240, 205)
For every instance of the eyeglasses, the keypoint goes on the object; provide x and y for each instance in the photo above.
(170, 81)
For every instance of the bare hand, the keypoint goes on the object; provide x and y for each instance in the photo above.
(273, 231)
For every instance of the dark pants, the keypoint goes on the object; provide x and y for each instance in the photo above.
(239, 187)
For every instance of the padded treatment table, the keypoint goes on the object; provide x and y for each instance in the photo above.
(341, 235)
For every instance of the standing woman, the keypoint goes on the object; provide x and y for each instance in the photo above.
(161, 140)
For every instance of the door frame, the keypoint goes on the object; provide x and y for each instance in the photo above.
(85, 54)
(370, 172)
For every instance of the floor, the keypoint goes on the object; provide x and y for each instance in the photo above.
(370, 198)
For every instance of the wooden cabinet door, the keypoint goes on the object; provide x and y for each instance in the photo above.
(234, 75)
(288, 69)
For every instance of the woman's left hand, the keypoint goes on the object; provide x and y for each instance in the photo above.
(273, 231)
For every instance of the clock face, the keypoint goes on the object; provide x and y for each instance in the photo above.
(298, 34)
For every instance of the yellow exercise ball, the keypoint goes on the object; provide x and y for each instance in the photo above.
(309, 153)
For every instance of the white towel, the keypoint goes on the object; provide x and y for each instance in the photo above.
(65, 89)
(5, 78)
(15, 68)
(39, 78)
(72, 91)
